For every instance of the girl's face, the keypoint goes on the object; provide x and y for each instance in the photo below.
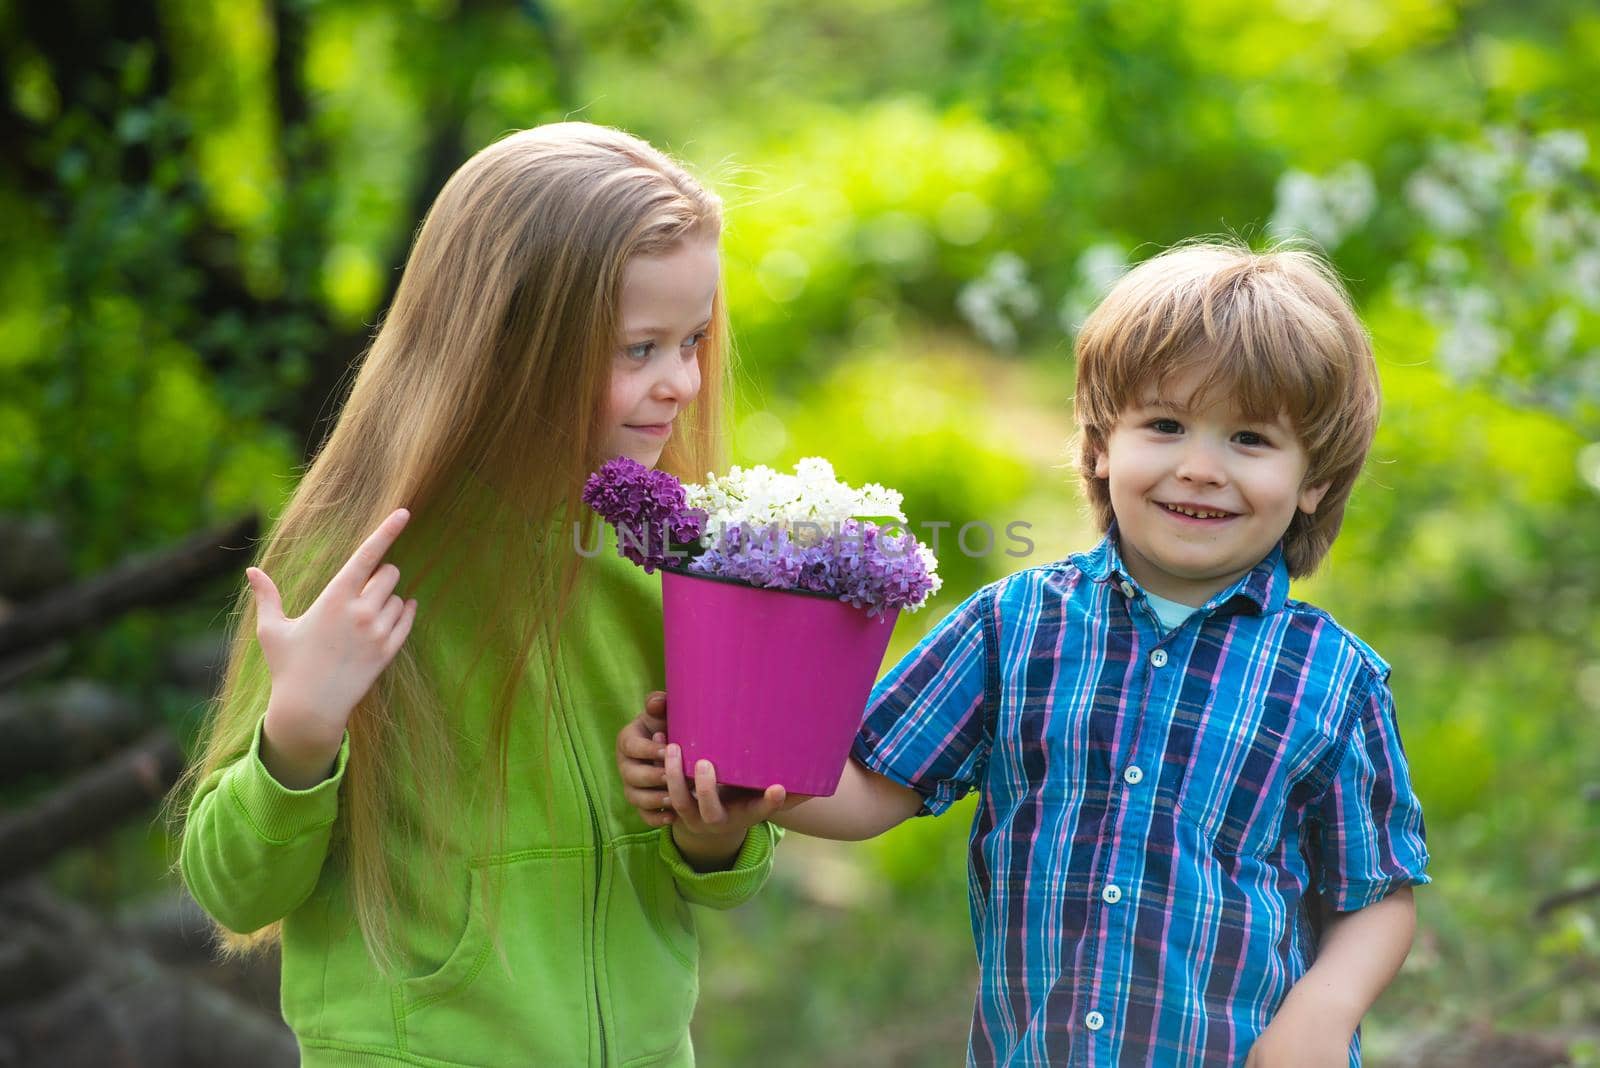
(655, 371)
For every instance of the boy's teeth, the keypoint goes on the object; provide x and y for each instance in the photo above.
(1198, 514)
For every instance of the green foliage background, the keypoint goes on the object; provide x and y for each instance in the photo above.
(205, 203)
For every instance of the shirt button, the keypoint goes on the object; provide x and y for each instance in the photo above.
(1133, 775)
(1111, 895)
(1159, 658)
(1094, 1021)
(1127, 589)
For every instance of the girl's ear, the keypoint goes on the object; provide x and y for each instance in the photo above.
(1311, 496)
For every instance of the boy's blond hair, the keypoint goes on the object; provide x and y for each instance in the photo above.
(1274, 330)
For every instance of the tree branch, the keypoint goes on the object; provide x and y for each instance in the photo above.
(90, 804)
(64, 728)
(166, 577)
(1566, 897)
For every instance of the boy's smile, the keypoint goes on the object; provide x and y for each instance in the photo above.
(1201, 493)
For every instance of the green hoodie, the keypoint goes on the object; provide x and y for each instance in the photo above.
(594, 959)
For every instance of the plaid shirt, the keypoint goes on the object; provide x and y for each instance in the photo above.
(1158, 812)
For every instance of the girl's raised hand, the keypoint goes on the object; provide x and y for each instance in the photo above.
(323, 662)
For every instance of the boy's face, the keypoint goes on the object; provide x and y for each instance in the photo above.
(1201, 495)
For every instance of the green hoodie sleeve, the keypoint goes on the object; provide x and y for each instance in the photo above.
(253, 849)
(724, 889)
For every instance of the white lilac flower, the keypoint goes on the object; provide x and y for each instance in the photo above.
(1471, 343)
(1327, 208)
(1560, 331)
(1002, 292)
(1480, 172)
(1298, 207)
(1584, 278)
(1555, 156)
(1098, 268)
(1441, 205)
(809, 502)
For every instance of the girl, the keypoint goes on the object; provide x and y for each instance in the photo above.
(417, 801)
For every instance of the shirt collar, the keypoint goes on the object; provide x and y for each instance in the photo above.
(1263, 589)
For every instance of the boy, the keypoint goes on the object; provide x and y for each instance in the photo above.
(1179, 768)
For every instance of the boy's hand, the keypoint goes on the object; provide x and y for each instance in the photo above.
(1302, 1039)
(641, 761)
(1359, 954)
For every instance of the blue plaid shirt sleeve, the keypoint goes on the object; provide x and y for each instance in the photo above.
(927, 723)
(1373, 840)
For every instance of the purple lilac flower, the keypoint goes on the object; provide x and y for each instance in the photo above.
(860, 563)
(648, 508)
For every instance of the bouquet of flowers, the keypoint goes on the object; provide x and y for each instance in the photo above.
(803, 531)
(780, 593)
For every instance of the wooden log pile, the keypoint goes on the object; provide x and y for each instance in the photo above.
(77, 760)
(77, 990)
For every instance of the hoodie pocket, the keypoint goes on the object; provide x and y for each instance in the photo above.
(650, 955)
(519, 992)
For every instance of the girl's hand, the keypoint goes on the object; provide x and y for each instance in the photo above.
(323, 663)
(711, 824)
(641, 762)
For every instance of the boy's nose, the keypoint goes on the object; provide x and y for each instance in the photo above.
(1199, 463)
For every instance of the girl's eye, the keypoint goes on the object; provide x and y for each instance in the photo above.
(639, 352)
(1166, 426)
(693, 343)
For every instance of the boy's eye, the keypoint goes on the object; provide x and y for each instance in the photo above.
(1166, 426)
(639, 352)
(1251, 438)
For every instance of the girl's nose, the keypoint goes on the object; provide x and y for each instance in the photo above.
(679, 381)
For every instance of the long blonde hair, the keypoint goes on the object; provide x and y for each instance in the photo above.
(489, 371)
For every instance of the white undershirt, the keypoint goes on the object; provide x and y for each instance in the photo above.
(1170, 613)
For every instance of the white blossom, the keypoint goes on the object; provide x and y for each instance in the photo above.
(992, 301)
(1098, 269)
(1471, 342)
(811, 502)
(1440, 204)
(1555, 156)
(1584, 277)
(1560, 331)
(1327, 208)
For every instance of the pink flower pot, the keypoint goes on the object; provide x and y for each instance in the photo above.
(768, 685)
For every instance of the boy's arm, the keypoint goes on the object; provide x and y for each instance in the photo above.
(1360, 954)
(864, 806)
(1371, 852)
(925, 723)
